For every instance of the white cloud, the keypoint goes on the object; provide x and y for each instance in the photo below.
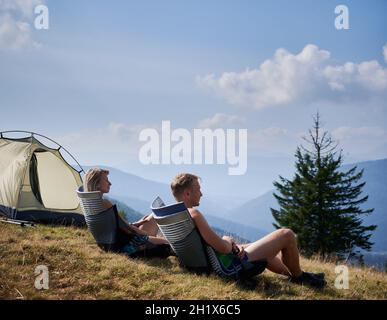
(356, 142)
(14, 35)
(305, 77)
(362, 141)
(343, 133)
(273, 141)
(368, 75)
(16, 24)
(114, 144)
(385, 53)
(220, 120)
(21, 8)
(123, 131)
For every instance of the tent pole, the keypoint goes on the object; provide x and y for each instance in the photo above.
(33, 134)
(18, 222)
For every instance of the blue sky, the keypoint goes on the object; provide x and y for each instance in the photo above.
(105, 70)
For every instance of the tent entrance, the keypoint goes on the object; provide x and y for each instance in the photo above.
(52, 181)
(34, 178)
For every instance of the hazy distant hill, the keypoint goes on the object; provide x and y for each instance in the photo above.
(222, 226)
(375, 175)
(130, 214)
(138, 193)
(246, 232)
(256, 212)
(126, 185)
(236, 237)
(261, 171)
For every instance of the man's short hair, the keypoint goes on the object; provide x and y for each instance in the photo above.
(181, 182)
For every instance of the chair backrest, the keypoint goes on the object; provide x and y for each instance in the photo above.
(176, 223)
(101, 222)
(91, 201)
(178, 228)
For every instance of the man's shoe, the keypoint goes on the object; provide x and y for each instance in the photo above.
(310, 279)
(320, 275)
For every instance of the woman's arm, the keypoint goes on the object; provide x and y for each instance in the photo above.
(143, 220)
(128, 227)
(123, 225)
(209, 235)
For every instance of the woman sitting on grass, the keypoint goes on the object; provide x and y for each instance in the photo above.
(138, 239)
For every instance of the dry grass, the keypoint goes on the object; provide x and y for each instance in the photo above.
(78, 269)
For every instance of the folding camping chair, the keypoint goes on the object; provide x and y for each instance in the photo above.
(102, 223)
(177, 226)
(105, 225)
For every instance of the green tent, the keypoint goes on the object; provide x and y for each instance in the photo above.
(36, 182)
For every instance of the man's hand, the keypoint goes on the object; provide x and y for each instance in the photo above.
(240, 251)
(230, 241)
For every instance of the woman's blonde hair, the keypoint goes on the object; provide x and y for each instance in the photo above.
(92, 178)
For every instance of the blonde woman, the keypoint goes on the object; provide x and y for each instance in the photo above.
(137, 239)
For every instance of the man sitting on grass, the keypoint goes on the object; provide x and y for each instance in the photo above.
(279, 248)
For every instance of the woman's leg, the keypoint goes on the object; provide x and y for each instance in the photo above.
(150, 227)
(282, 240)
(157, 240)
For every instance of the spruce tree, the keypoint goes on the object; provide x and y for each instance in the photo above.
(321, 204)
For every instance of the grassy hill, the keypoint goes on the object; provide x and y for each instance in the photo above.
(78, 269)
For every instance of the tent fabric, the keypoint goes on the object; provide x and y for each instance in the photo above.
(37, 184)
(13, 162)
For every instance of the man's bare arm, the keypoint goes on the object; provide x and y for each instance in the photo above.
(209, 235)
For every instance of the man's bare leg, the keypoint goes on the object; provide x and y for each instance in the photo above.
(277, 266)
(282, 240)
